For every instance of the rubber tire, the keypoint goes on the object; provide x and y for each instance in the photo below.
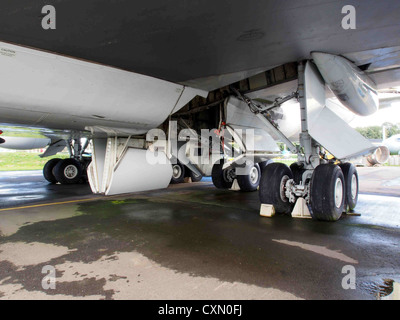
(245, 183)
(181, 178)
(349, 170)
(270, 184)
(322, 193)
(217, 176)
(58, 171)
(48, 170)
(297, 171)
(194, 177)
(263, 164)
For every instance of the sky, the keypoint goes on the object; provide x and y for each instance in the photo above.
(385, 114)
(391, 115)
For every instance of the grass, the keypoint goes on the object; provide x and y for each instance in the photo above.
(19, 161)
(288, 162)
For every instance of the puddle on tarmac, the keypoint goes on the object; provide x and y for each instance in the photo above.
(386, 288)
(379, 289)
(35, 197)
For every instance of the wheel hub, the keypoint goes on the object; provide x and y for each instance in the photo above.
(71, 171)
(282, 188)
(176, 171)
(229, 175)
(338, 192)
(354, 187)
(254, 175)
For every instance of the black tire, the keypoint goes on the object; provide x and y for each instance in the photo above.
(48, 170)
(251, 181)
(271, 187)
(85, 164)
(263, 164)
(352, 186)
(327, 193)
(194, 177)
(68, 171)
(178, 173)
(297, 170)
(220, 178)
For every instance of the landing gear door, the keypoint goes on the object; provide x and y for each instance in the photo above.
(325, 127)
(240, 119)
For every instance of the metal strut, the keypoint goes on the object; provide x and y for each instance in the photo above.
(311, 158)
(262, 113)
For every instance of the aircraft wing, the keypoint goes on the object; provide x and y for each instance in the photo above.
(206, 44)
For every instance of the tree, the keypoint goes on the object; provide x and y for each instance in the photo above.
(392, 129)
(376, 132)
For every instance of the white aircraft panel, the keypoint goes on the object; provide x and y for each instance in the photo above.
(134, 173)
(338, 137)
(54, 85)
(327, 128)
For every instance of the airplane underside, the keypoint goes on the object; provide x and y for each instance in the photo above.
(218, 113)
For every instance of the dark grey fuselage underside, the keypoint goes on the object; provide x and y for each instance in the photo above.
(196, 42)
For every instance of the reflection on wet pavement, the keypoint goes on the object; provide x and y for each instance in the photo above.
(195, 242)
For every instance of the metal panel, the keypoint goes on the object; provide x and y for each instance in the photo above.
(134, 173)
(239, 117)
(39, 88)
(325, 127)
(181, 40)
(338, 137)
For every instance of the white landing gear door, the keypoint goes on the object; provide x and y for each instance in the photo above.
(134, 173)
(118, 167)
(327, 128)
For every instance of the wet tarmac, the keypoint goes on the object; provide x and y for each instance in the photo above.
(19, 188)
(189, 241)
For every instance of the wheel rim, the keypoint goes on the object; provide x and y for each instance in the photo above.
(227, 174)
(338, 193)
(254, 175)
(176, 171)
(70, 171)
(282, 188)
(354, 187)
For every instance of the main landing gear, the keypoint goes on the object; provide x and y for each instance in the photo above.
(224, 178)
(327, 187)
(71, 170)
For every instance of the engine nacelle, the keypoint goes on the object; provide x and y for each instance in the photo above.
(22, 143)
(353, 87)
(380, 156)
